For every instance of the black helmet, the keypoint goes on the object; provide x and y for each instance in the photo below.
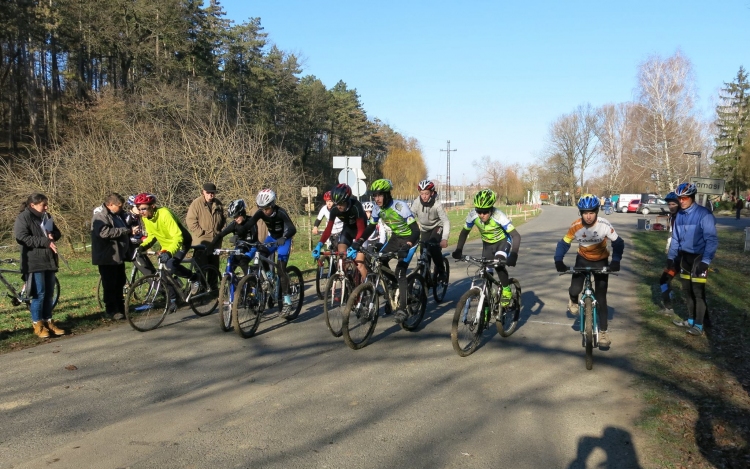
(341, 193)
(236, 208)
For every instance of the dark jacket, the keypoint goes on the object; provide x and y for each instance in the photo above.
(36, 255)
(109, 237)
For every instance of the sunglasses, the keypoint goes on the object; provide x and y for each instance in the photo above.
(683, 197)
(483, 211)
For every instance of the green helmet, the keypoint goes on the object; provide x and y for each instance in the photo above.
(381, 185)
(485, 198)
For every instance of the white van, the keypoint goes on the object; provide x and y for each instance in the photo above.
(624, 200)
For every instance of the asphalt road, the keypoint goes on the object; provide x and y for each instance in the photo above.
(188, 395)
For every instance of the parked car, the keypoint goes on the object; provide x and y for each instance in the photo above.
(633, 206)
(653, 205)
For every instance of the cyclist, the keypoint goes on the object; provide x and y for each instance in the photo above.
(325, 212)
(164, 226)
(377, 236)
(668, 275)
(500, 239)
(281, 229)
(694, 245)
(591, 232)
(396, 215)
(240, 227)
(433, 223)
(353, 220)
(132, 218)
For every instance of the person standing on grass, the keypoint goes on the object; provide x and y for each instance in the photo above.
(205, 219)
(694, 243)
(110, 240)
(37, 233)
(739, 205)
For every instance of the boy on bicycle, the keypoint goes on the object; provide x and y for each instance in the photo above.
(281, 229)
(433, 223)
(240, 227)
(325, 212)
(353, 219)
(591, 233)
(396, 215)
(500, 239)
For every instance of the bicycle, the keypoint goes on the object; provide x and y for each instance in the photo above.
(325, 267)
(587, 311)
(17, 290)
(480, 304)
(229, 282)
(258, 288)
(362, 308)
(129, 280)
(427, 269)
(148, 302)
(337, 290)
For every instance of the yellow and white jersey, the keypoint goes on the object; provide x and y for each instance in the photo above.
(592, 240)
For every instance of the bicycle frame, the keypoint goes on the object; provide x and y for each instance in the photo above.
(376, 277)
(17, 297)
(479, 280)
(181, 289)
(588, 293)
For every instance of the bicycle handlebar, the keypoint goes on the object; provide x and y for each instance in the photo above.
(593, 270)
(483, 261)
(8, 261)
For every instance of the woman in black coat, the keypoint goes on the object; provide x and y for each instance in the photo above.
(36, 232)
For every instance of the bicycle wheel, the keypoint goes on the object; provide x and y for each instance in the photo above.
(147, 303)
(337, 292)
(206, 300)
(416, 302)
(296, 291)
(247, 307)
(467, 326)
(321, 276)
(56, 293)
(588, 324)
(508, 318)
(439, 289)
(100, 293)
(360, 316)
(225, 303)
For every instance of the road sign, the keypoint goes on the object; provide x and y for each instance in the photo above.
(708, 186)
(309, 191)
(347, 162)
(348, 176)
(360, 188)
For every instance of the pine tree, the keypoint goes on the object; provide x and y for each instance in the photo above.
(732, 128)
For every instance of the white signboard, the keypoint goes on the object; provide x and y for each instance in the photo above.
(348, 176)
(347, 162)
(708, 186)
(359, 188)
(309, 191)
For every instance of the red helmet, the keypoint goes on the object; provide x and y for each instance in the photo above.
(426, 185)
(327, 196)
(145, 198)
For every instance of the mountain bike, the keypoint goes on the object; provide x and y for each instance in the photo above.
(587, 311)
(325, 266)
(129, 280)
(17, 288)
(229, 281)
(337, 291)
(363, 307)
(148, 302)
(259, 287)
(482, 303)
(428, 270)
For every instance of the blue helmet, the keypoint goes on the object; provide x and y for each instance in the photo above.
(588, 202)
(671, 196)
(686, 189)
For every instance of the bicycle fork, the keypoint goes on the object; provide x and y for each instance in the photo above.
(475, 319)
(594, 319)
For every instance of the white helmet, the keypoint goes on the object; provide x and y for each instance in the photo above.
(265, 198)
(367, 206)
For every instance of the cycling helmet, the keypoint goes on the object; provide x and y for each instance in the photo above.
(588, 203)
(236, 208)
(671, 197)
(485, 198)
(144, 198)
(341, 193)
(426, 185)
(381, 185)
(131, 200)
(367, 206)
(265, 198)
(686, 189)
(327, 196)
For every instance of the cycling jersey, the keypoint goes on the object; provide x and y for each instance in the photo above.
(592, 241)
(279, 223)
(397, 217)
(430, 216)
(497, 228)
(338, 225)
(165, 227)
(353, 219)
(694, 232)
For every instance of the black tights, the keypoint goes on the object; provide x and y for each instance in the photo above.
(694, 290)
(600, 288)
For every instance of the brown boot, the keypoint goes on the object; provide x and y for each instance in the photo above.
(53, 328)
(40, 330)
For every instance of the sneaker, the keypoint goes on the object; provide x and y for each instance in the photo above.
(666, 311)
(400, 316)
(696, 330)
(604, 340)
(172, 306)
(118, 316)
(195, 287)
(572, 307)
(682, 323)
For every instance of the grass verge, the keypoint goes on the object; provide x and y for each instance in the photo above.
(696, 390)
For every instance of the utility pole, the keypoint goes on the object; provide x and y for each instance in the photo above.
(448, 171)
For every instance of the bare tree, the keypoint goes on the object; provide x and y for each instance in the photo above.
(616, 131)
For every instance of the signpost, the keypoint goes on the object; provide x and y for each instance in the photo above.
(351, 173)
(309, 192)
(708, 187)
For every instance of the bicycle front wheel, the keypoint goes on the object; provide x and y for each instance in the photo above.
(56, 293)
(225, 303)
(321, 276)
(439, 289)
(147, 303)
(468, 324)
(508, 318)
(588, 330)
(416, 303)
(247, 308)
(337, 291)
(206, 300)
(100, 293)
(360, 316)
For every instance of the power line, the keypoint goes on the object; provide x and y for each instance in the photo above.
(448, 170)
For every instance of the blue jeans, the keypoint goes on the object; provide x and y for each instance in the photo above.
(41, 292)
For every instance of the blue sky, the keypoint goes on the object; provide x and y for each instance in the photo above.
(491, 76)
